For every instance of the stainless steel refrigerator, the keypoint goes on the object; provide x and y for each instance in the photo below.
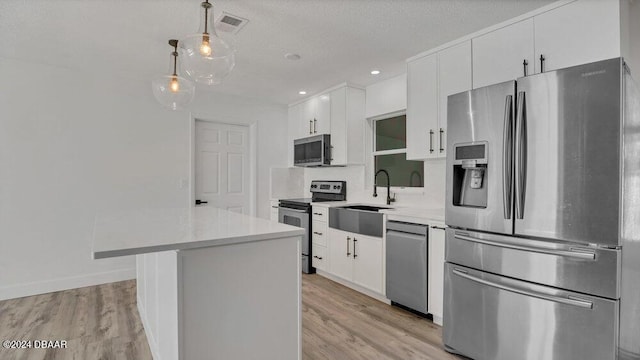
(543, 215)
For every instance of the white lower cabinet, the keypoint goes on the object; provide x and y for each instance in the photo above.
(319, 259)
(436, 272)
(356, 258)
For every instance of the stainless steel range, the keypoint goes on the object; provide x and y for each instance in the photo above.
(297, 212)
(543, 205)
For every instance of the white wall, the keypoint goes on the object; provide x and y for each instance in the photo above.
(75, 144)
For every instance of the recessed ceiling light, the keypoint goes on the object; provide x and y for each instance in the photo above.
(375, 72)
(292, 56)
(302, 92)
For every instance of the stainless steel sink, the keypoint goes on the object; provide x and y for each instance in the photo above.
(360, 219)
(364, 207)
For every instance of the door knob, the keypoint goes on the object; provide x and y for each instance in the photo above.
(199, 202)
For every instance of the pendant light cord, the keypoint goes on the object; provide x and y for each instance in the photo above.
(174, 43)
(206, 5)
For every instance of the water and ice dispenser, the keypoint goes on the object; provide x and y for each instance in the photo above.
(470, 174)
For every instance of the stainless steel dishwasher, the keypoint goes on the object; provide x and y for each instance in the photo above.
(407, 254)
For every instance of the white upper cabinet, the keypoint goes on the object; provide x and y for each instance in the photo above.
(500, 55)
(294, 129)
(347, 126)
(580, 32)
(387, 97)
(454, 76)
(422, 106)
(430, 80)
(315, 117)
(339, 113)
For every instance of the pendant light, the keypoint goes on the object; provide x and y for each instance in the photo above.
(173, 91)
(207, 58)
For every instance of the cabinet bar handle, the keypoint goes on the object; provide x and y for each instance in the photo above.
(317, 233)
(310, 125)
(430, 141)
(317, 257)
(525, 65)
(441, 140)
(317, 213)
(542, 59)
(348, 253)
(354, 248)
(315, 122)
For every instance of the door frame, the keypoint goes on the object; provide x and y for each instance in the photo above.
(253, 131)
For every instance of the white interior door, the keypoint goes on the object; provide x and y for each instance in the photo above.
(222, 166)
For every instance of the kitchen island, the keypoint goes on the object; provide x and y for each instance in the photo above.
(212, 284)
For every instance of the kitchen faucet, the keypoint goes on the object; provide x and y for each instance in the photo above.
(375, 189)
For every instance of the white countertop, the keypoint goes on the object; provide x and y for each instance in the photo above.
(154, 230)
(400, 213)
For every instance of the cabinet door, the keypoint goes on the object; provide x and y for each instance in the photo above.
(454, 76)
(338, 99)
(422, 107)
(580, 32)
(322, 116)
(436, 273)
(340, 252)
(308, 112)
(499, 55)
(367, 262)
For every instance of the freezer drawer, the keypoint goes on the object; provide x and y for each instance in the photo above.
(563, 265)
(490, 317)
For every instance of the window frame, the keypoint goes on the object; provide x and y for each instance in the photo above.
(374, 153)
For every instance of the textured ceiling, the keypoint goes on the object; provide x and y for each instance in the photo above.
(339, 40)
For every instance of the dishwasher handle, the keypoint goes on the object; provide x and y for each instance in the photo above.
(407, 228)
(400, 234)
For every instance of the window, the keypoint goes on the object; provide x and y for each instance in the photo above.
(390, 154)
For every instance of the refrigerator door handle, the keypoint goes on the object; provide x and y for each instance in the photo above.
(521, 155)
(571, 253)
(570, 300)
(507, 169)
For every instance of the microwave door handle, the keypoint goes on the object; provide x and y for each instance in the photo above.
(521, 156)
(507, 151)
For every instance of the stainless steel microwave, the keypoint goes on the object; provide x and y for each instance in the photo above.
(312, 151)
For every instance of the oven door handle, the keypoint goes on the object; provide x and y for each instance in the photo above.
(562, 300)
(294, 210)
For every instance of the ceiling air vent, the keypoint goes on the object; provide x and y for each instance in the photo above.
(230, 23)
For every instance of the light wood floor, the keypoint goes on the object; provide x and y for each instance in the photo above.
(102, 322)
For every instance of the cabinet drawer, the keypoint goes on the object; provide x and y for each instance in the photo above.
(319, 232)
(318, 260)
(320, 213)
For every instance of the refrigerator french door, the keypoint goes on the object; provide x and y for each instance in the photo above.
(539, 224)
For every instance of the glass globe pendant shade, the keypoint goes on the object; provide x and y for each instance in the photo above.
(207, 58)
(172, 91)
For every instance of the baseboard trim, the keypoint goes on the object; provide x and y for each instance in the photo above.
(60, 284)
(355, 287)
